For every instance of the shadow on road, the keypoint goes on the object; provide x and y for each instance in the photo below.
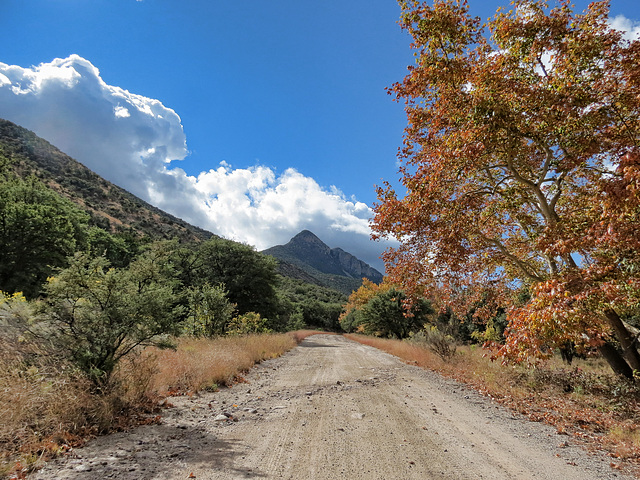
(311, 344)
(152, 451)
(212, 454)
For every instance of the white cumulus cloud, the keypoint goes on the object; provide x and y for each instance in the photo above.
(133, 141)
(629, 28)
(123, 137)
(121, 112)
(262, 208)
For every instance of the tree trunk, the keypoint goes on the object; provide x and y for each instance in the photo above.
(626, 339)
(615, 360)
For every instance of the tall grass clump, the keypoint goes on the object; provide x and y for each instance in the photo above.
(46, 408)
(436, 340)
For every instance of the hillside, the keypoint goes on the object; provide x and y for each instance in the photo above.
(305, 258)
(110, 206)
(307, 255)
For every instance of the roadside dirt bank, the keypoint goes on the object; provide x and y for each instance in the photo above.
(335, 409)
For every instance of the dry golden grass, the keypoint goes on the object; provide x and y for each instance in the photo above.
(206, 363)
(46, 410)
(203, 363)
(584, 400)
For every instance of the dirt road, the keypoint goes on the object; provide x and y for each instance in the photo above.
(335, 409)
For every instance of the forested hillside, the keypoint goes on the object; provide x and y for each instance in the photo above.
(109, 206)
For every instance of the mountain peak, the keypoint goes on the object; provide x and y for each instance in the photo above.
(306, 240)
(305, 233)
(308, 252)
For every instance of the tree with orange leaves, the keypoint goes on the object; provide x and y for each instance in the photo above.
(358, 299)
(382, 310)
(520, 164)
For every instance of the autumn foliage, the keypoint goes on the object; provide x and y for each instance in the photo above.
(521, 168)
(383, 310)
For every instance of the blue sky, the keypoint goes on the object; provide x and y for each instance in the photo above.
(254, 119)
(268, 82)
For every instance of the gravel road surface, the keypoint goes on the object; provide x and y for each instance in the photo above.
(334, 409)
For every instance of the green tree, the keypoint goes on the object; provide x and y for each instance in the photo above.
(349, 321)
(210, 311)
(39, 229)
(319, 314)
(249, 277)
(296, 321)
(188, 265)
(118, 248)
(308, 305)
(97, 314)
(386, 315)
(351, 317)
(248, 323)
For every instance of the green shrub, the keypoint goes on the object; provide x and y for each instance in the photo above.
(210, 311)
(97, 314)
(250, 322)
(439, 342)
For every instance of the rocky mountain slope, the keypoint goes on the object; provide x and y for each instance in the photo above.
(331, 267)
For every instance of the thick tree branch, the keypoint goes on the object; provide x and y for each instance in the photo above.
(520, 264)
(546, 210)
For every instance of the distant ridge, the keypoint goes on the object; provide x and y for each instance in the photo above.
(331, 267)
(110, 206)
